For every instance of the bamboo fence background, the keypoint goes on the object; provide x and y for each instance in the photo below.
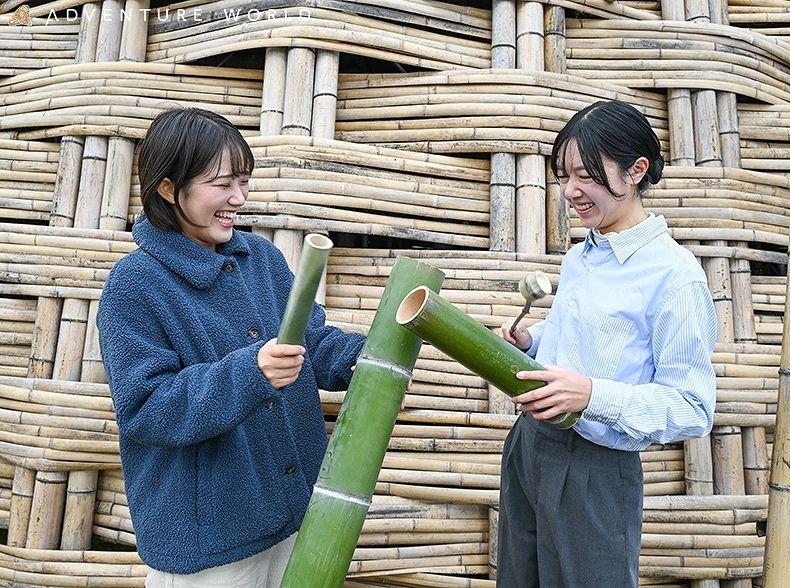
(416, 127)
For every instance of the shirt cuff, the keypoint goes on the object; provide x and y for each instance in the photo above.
(605, 402)
(533, 349)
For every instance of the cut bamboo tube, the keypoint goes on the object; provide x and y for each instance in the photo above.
(743, 309)
(135, 31)
(46, 517)
(529, 36)
(699, 466)
(729, 135)
(45, 337)
(21, 502)
(78, 512)
(503, 165)
(471, 344)
(306, 282)
(777, 545)
(71, 338)
(341, 496)
(64, 201)
(728, 477)
(554, 31)
(298, 105)
(290, 243)
(325, 94)
(503, 34)
(503, 202)
(89, 33)
(756, 463)
(272, 105)
(531, 204)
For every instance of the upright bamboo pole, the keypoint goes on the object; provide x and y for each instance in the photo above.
(46, 516)
(327, 65)
(530, 169)
(502, 211)
(681, 134)
(502, 236)
(777, 543)
(347, 479)
(21, 501)
(558, 238)
(298, 106)
(273, 99)
(297, 119)
(272, 104)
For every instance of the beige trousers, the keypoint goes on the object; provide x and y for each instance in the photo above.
(264, 570)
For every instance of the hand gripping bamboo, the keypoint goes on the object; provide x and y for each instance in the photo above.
(341, 496)
(315, 254)
(471, 344)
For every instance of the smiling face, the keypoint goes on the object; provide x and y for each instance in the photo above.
(210, 201)
(595, 204)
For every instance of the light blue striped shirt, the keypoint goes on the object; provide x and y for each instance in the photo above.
(634, 313)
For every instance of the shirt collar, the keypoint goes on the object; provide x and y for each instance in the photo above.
(196, 264)
(626, 243)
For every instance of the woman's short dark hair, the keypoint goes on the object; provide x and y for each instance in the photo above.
(181, 145)
(615, 130)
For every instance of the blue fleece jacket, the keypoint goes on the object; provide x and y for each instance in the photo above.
(218, 465)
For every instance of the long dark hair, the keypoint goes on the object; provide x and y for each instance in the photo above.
(614, 130)
(181, 145)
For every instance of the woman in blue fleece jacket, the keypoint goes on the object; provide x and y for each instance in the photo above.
(221, 429)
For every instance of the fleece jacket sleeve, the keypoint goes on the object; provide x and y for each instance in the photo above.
(159, 402)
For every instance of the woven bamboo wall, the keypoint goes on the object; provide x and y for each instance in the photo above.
(446, 157)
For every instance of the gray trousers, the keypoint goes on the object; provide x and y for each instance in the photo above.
(570, 511)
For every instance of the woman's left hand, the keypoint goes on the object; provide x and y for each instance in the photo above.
(565, 391)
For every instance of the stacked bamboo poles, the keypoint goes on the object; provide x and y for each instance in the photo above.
(119, 99)
(322, 28)
(39, 45)
(337, 181)
(483, 111)
(764, 137)
(27, 179)
(757, 70)
(17, 319)
(777, 555)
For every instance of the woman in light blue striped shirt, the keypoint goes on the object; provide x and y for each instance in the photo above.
(628, 343)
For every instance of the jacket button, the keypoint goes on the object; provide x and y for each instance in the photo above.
(270, 404)
(254, 333)
(290, 470)
(229, 267)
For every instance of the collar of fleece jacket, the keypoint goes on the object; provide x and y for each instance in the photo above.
(196, 264)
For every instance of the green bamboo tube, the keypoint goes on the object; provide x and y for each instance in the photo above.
(315, 254)
(471, 344)
(342, 494)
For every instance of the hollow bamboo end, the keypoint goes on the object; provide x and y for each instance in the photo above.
(411, 305)
(319, 241)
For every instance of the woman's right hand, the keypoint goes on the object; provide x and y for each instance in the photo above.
(520, 338)
(280, 363)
